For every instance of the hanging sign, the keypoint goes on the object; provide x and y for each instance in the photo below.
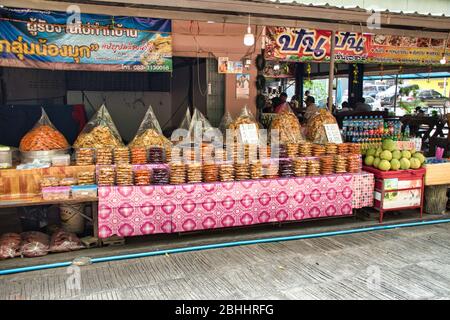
(311, 45)
(62, 41)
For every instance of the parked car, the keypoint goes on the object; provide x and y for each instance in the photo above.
(432, 98)
(375, 104)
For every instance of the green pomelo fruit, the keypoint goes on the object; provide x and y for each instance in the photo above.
(415, 163)
(386, 155)
(395, 164)
(406, 154)
(389, 144)
(396, 154)
(384, 165)
(368, 161)
(404, 164)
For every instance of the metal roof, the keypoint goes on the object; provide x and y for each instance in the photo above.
(438, 8)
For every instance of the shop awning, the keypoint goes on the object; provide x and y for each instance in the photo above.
(433, 75)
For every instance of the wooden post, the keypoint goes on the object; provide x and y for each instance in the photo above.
(395, 95)
(331, 73)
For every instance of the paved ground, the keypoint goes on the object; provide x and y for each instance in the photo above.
(407, 263)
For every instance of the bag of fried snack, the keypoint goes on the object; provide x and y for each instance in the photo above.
(99, 132)
(201, 130)
(288, 126)
(315, 130)
(43, 136)
(149, 133)
(245, 123)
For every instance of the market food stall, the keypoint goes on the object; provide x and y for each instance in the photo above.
(203, 178)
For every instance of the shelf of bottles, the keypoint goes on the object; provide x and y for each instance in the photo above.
(369, 131)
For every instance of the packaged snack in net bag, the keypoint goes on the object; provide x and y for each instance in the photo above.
(34, 244)
(288, 127)
(99, 132)
(63, 241)
(9, 245)
(149, 133)
(43, 136)
(246, 127)
(315, 130)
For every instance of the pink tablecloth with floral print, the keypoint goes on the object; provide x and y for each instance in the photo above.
(134, 211)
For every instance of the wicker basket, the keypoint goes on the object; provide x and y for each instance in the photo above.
(72, 219)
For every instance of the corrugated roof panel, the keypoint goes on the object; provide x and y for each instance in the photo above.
(409, 7)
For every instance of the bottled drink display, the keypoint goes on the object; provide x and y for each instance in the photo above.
(369, 131)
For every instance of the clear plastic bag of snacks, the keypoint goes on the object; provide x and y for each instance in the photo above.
(43, 136)
(288, 127)
(246, 127)
(315, 127)
(99, 132)
(200, 128)
(149, 132)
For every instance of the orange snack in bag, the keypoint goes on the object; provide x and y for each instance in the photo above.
(43, 138)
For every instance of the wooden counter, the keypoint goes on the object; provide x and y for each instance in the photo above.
(26, 183)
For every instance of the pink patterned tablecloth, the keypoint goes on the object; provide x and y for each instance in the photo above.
(363, 190)
(134, 211)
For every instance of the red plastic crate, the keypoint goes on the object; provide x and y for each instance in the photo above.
(411, 174)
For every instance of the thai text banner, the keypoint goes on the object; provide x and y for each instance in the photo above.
(310, 45)
(55, 40)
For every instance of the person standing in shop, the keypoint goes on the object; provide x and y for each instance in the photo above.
(311, 108)
(295, 104)
(362, 106)
(283, 104)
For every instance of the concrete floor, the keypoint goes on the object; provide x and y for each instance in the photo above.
(407, 263)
